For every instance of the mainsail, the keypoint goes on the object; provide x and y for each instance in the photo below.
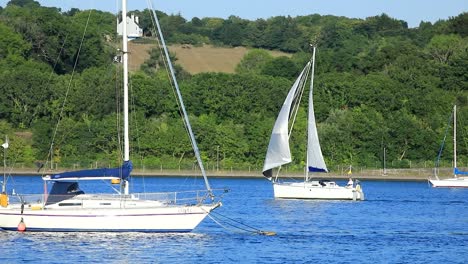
(278, 152)
(315, 161)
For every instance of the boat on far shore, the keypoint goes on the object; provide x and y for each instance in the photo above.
(455, 181)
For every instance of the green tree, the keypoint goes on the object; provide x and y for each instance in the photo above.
(280, 67)
(443, 47)
(12, 43)
(253, 61)
(26, 88)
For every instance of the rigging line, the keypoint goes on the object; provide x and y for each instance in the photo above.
(118, 113)
(462, 128)
(161, 52)
(236, 221)
(67, 92)
(437, 163)
(186, 118)
(62, 48)
(245, 228)
(171, 83)
(221, 225)
(234, 229)
(137, 129)
(118, 86)
(298, 99)
(167, 67)
(11, 169)
(57, 59)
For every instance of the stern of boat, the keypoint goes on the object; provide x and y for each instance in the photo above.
(358, 193)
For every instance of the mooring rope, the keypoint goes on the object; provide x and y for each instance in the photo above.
(241, 226)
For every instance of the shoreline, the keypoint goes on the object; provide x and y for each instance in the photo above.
(391, 174)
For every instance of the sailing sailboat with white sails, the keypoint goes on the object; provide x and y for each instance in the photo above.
(279, 153)
(455, 181)
(67, 208)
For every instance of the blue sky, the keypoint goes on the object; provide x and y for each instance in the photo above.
(411, 11)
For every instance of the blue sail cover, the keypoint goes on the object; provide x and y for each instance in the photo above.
(456, 171)
(104, 173)
(314, 169)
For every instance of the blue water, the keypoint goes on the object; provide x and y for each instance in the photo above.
(400, 222)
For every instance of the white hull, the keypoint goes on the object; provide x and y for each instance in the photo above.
(313, 190)
(460, 182)
(94, 215)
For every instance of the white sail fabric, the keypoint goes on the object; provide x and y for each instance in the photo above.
(278, 152)
(315, 161)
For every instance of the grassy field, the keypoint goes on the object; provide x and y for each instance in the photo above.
(193, 59)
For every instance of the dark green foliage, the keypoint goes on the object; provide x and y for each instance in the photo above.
(57, 39)
(26, 90)
(280, 67)
(231, 32)
(24, 3)
(377, 84)
(458, 24)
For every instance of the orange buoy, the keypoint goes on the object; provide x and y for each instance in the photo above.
(3, 199)
(115, 181)
(21, 226)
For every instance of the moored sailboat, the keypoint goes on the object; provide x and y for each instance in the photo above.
(65, 207)
(279, 154)
(456, 181)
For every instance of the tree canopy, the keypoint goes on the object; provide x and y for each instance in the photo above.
(378, 84)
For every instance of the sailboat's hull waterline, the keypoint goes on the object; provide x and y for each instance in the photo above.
(158, 219)
(459, 182)
(313, 190)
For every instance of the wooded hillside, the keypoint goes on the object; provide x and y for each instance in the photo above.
(379, 84)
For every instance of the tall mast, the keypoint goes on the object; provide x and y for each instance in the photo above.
(125, 88)
(5, 146)
(454, 139)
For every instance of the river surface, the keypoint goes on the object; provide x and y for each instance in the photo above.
(400, 222)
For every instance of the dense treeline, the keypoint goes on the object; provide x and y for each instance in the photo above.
(379, 84)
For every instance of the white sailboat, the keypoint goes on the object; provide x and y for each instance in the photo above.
(455, 181)
(67, 208)
(279, 153)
